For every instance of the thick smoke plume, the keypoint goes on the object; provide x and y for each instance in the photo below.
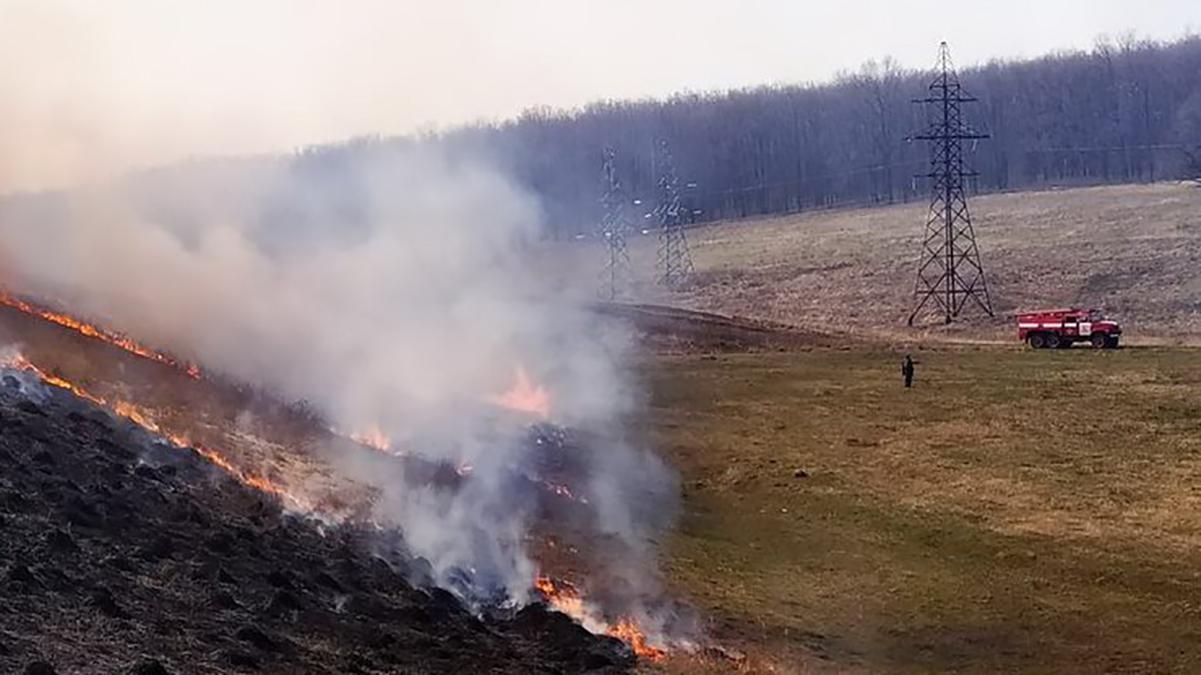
(389, 286)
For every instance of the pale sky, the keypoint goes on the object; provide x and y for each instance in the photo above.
(89, 87)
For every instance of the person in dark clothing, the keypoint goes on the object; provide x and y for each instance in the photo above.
(907, 371)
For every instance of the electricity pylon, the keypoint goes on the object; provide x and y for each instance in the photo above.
(949, 273)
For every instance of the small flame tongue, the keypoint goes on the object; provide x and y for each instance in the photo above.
(372, 437)
(565, 598)
(629, 633)
(93, 331)
(144, 418)
(525, 396)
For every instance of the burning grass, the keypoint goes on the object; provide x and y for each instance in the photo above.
(122, 556)
(203, 416)
(566, 598)
(93, 331)
(1015, 512)
(525, 396)
(144, 418)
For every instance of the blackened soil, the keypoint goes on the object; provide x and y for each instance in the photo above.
(121, 554)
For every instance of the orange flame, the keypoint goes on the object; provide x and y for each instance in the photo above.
(372, 437)
(92, 331)
(525, 396)
(144, 418)
(565, 598)
(627, 632)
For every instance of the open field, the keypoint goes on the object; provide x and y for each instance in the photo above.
(1016, 511)
(1134, 250)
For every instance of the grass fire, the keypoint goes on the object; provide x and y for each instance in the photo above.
(291, 457)
(566, 598)
(528, 337)
(92, 331)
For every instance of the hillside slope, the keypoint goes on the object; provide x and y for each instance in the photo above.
(1134, 250)
(124, 554)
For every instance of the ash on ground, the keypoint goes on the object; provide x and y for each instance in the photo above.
(119, 553)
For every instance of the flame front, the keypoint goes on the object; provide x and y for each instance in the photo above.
(525, 396)
(372, 437)
(565, 598)
(627, 632)
(144, 418)
(92, 331)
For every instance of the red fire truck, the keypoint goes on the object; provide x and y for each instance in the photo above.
(1053, 328)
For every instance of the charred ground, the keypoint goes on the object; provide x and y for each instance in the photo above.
(121, 551)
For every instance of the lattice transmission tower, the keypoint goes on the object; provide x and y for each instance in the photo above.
(614, 225)
(674, 262)
(950, 274)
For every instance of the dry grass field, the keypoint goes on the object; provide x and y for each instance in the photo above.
(1016, 511)
(1134, 250)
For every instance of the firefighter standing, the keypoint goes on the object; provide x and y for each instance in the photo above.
(907, 371)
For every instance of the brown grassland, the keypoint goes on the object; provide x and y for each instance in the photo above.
(1134, 250)
(1016, 511)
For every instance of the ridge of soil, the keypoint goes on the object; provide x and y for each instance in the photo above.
(666, 329)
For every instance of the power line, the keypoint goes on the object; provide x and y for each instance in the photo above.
(614, 225)
(949, 273)
(674, 260)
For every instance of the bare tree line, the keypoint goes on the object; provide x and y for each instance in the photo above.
(1127, 110)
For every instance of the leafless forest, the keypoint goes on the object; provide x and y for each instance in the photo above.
(1128, 110)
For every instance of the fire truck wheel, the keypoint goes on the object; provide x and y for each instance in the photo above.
(1038, 341)
(1111, 343)
(1053, 341)
(1100, 341)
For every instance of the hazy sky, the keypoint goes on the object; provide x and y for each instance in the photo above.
(88, 87)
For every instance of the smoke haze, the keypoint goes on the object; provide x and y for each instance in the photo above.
(389, 286)
(90, 88)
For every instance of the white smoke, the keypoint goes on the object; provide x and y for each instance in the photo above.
(388, 285)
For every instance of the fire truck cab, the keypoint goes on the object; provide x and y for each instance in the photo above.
(1060, 328)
